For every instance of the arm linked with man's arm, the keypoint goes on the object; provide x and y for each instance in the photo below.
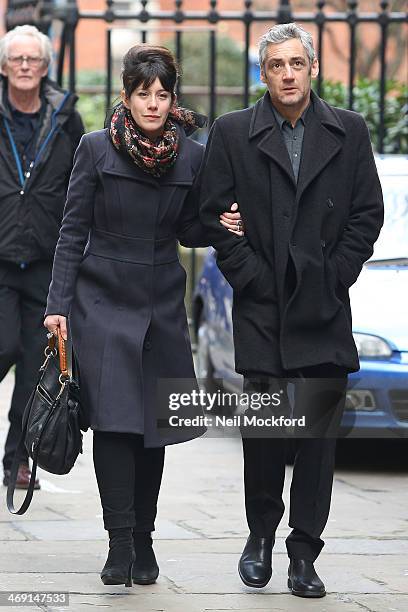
(366, 215)
(235, 257)
(190, 231)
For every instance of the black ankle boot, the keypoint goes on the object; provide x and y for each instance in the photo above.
(118, 566)
(255, 564)
(303, 580)
(145, 568)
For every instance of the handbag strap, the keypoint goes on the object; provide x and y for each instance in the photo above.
(62, 353)
(65, 356)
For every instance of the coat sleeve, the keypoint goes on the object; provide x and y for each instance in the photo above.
(235, 257)
(76, 223)
(366, 216)
(190, 231)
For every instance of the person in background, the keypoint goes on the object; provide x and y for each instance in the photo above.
(305, 178)
(133, 194)
(39, 132)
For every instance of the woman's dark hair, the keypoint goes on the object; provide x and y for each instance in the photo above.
(144, 63)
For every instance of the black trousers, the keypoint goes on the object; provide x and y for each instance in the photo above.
(265, 458)
(129, 477)
(23, 296)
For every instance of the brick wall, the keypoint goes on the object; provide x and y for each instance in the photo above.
(91, 46)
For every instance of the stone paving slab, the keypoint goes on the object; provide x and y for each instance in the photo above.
(170, 548)
(9, 533)
(381, 603)
(63, 530)
(131, 600)
(205, 573)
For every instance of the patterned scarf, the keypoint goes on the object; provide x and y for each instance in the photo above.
(155, 158)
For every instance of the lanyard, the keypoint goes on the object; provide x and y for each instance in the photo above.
(15, 152)
(23, 178)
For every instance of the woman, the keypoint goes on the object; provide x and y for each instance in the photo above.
(132, 194)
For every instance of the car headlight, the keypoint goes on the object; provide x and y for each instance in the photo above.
(371, 346)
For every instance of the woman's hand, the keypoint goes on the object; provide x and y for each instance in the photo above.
(52, 322)
(232, 221)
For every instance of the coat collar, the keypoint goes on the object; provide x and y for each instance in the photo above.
(121, 165)
(323, 139)
(323, 126)
(264, 124)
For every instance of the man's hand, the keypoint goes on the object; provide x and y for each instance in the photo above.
(52, 322)
(232, 221)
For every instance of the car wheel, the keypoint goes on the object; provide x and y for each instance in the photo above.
(205, 372)
(204, 366)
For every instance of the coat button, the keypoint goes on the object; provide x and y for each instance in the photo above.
(147, 345)
(330, 203)
(293, 244)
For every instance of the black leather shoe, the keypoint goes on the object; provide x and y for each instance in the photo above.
(255, 564)
(23, 477)
(118, 566)
(145, 568)
(303, 580)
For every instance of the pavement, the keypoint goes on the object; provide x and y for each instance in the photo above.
(59, 545)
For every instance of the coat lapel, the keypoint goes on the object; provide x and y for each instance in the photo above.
(272, 143)
(119, 165)
(181, 173)
(321, 142)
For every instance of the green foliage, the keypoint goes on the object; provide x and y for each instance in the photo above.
(88, 78)
(366, 101)
(91, 106)
(195, 69)
(92, 110)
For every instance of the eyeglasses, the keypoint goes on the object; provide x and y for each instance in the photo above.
(17, 60)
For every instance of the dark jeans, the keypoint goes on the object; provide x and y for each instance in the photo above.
(264, 463)
(129, 477)
(23, 296)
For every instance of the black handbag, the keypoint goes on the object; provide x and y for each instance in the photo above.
(51, 427)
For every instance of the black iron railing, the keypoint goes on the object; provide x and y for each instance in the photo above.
(44, 12)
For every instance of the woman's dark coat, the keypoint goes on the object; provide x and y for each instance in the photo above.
(304, 244)
(117, 274)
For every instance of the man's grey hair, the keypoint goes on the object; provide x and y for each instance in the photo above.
(26, 30)
(282, 32)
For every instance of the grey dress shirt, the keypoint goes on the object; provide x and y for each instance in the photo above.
(293, 137)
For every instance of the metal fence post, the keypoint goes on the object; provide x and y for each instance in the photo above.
(284, 12)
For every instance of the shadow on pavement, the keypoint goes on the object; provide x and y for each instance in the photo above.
(369, 455)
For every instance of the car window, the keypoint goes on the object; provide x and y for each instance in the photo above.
(393, 240)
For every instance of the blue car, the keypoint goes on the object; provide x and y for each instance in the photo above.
(377, 398)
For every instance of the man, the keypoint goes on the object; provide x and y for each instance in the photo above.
(304, 176)
(40, 131)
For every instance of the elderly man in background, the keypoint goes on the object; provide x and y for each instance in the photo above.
(40, 130)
